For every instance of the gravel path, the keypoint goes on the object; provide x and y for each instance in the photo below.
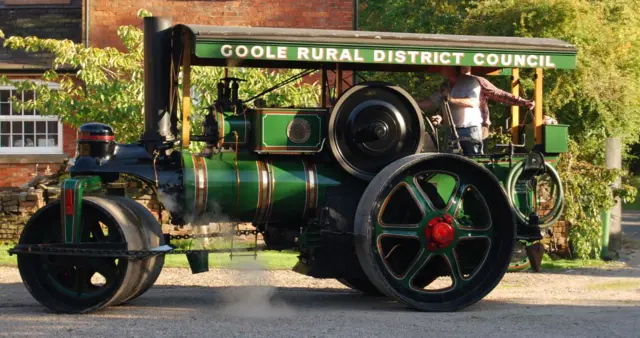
(251, 302)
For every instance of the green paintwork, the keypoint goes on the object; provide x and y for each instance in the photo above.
(75, 186)
(382, 54)
(556, 138)
(231, 123)
(272, 125)
(286, 176)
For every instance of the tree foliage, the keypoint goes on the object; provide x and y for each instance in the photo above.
(599, 99)
(108, 84)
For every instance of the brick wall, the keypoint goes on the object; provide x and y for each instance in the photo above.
(57, 22)
(106, 16)
(16, 206)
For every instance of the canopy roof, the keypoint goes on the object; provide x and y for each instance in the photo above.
(310, 48)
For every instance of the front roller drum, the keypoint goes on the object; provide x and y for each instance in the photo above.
(435, 232)
(77, 284)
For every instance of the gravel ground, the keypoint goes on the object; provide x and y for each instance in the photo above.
(250, 302)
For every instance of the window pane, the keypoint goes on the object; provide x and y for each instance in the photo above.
(17, 127)
(17, 141)
(5, 127)
(5, 109)
(4, 95)
(4, 141)
(17, 97)
(15, 109)
(41, 127)
(28, 95)
(53, 140)
(41, 141)
(28, 127)
(52, 127)
(29, 141)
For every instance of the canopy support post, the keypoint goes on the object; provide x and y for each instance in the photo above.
(538, 108)
(186, 92)
(323, 97)
(338, 80)
(515, 110)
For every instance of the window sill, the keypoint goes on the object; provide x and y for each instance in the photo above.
(32, 159)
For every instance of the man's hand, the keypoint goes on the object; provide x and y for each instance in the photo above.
(485, 132)
(530, 104)
(436, 119)
(445, 94)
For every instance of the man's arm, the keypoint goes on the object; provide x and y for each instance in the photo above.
(463, 102)
(425, 104)
(496, 94)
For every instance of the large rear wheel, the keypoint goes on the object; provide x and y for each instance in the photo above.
(435, 231)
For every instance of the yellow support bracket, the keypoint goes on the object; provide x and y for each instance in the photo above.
(186, 93)
(515, 110)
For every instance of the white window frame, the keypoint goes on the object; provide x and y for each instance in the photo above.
(35, 118)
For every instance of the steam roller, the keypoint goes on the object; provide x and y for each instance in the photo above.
(359, 190)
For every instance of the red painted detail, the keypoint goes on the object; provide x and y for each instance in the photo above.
(443, 234)
(96, 137)
(68, 202)
(434, 222)
(439, 232)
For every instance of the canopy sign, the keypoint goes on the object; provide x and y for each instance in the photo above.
(384, 55)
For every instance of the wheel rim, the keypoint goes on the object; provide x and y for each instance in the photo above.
(529, 204)
(433, 231)
(519, 260)
(73, 281)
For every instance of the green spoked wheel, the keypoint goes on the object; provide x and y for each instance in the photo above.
(75, 284)
(435, 231)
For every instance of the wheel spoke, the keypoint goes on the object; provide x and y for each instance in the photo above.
(421, 196)
(398, 231)
(456, 198)
(415, 267)
(82, 280)
(473, 233)
(456, 274)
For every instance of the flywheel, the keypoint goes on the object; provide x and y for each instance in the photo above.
(372, 125)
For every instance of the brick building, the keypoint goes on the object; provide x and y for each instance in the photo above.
(31, 144)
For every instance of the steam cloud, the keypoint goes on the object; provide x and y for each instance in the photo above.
(252, 296)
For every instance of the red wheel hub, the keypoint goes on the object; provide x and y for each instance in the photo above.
(439, 232)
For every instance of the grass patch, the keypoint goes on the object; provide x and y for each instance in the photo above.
(636, 204)
(549, 263)
(271, 260)
(5, 259)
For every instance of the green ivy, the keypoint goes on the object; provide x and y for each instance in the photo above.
(588, 192)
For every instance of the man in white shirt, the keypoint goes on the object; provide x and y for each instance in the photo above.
(468, 102)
